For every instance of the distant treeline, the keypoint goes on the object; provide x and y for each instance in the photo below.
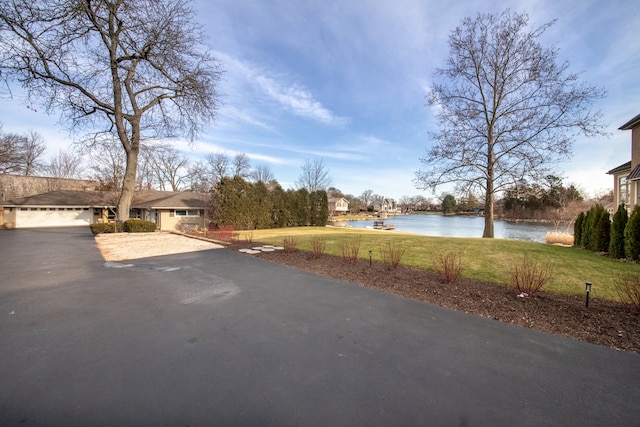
(248, 206)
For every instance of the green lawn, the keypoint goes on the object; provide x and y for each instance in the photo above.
(483, 259)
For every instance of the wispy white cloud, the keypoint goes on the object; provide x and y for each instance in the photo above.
(199, 150)
(233, 116)
(251, 79)
(298, 100)
(267, 159)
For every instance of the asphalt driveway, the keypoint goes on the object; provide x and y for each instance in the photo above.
(221, 338)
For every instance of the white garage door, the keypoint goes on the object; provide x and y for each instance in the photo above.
(52, 217)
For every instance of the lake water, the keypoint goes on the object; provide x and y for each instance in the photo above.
(461, 226)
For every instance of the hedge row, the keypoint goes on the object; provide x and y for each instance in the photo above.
(129, 226)
(139, 226)
(620, 238)
(248, 206)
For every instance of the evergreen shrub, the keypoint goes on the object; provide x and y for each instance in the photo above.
(139, 226)
(632, 235)
(616, 244)
(577, 230)
(105, 227)
(602, 230)
(595, 229)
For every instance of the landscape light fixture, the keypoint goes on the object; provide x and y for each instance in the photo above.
(369, 258)
(588, 289)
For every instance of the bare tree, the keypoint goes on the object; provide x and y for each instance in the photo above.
(241, 165)
(199, 178)
(131, 69)
(334, 192)
(108, 164)
(33, 147)
(22, 154)
(314, 176)
(168, 166)
(367, 198)
(406, 204)
(262, 173)
(218, 166)
(146, 178)
(506, 110)
(66, 164)
(420, 203)
(354, 203)
(9, 154)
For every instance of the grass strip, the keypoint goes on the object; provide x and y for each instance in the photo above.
(488, 260)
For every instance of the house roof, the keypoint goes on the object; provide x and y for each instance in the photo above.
(336, 199)
(171, 200)
(635, 174)
(66, 198)
(146, 196)
(631, 123)
(622, 168)
(143, 199)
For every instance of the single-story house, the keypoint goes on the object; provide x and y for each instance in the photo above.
(67, 208)
(182, 210)
(626, 177)
(338, 206)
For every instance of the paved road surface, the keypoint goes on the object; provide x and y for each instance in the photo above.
(218, 338)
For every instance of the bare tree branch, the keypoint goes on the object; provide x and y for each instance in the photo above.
(66, 164)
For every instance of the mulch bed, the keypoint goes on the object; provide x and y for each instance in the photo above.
(604, 322)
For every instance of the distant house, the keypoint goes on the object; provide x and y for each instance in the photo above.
(385, 206)
(68, 208)
(338, 206)
(626, 177)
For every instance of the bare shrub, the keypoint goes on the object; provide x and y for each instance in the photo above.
(290, 244)
(349, 249)
(318, 246)
(555, 237)
(224, 234)
(529, 277)
(248, 236)
(448, 265)
(628, 289)
(391, 254)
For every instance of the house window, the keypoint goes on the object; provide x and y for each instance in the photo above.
(186, 212)
(623, 190)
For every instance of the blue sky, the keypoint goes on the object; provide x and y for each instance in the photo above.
(346, 81)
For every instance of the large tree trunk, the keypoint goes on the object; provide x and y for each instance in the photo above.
(488, 215)
(128, 185)
(489, 196)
